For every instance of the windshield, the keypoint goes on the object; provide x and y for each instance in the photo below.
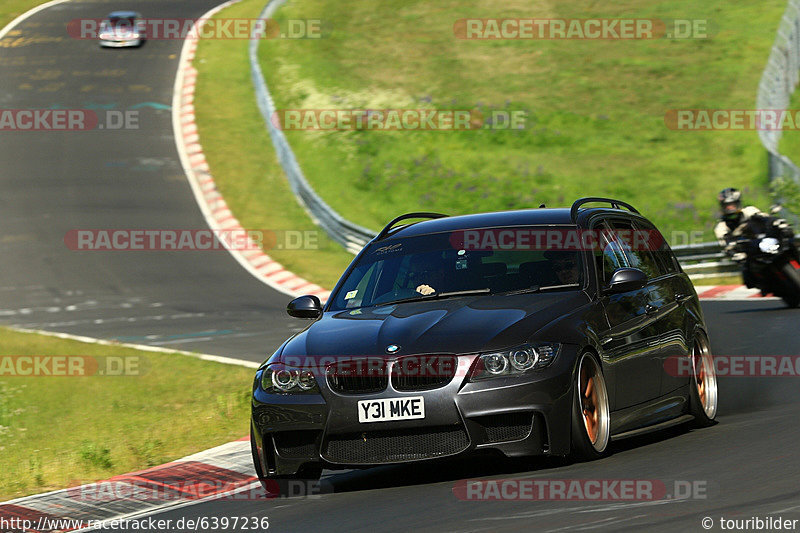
(431, 266)
(120, 23)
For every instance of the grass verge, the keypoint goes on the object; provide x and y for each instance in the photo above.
(241, 157)
(11, 9)
(595, 108)
(58, 431)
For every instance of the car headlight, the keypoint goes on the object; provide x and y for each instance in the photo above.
(282, 379)
(513, 362)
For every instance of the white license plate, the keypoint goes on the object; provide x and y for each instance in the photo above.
(385, 409)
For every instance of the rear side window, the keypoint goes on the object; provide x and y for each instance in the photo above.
(635, 250)
(667, 262)
(609, 255)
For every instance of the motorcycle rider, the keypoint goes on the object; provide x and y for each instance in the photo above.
(733, 225)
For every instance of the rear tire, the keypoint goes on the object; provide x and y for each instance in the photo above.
(703, 397)
(791, 286)
(591, 422)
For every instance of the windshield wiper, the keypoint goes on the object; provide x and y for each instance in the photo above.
(537, 288)
(564, 286)
(527, 290)
(438, 295)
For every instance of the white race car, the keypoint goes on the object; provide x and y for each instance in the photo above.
(121, 29)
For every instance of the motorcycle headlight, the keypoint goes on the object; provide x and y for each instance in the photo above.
(769, 245)
(526, 358)
(282, 379)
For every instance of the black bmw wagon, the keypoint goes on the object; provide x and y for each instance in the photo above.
(540, 331)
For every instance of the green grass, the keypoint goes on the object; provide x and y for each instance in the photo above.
(11, 9)
(595, 114)
(596, 108)
(58, 431)
(719, 280)
(789, 146)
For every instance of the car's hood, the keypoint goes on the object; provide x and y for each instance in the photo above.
(457, 325)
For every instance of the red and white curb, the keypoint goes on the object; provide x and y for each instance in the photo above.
(220, 472)
(213, 206)
(729, 292)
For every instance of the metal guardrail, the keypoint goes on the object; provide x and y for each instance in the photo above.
(349, 234)
(778, 81)
(705, 260)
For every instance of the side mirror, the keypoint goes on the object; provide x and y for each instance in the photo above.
(307, 306)
(626, 279)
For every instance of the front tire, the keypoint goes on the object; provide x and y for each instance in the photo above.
(591, 421)
(703, 394)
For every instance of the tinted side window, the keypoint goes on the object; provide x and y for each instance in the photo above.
(668, 263)
(609, 255)
(636, 251)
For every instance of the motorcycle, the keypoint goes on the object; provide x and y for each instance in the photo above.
(770, 259)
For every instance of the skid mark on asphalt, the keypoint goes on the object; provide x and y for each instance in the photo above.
(85, 305)
(601, 523)
(191, 335)
(24, 311)
(203, 339)
(600, 508)
(106, 320)
(22, 288)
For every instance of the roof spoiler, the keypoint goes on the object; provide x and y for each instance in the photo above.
(407, 216)
(615, 204)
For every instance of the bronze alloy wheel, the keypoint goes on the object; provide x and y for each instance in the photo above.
(705, 379)
(593, 398)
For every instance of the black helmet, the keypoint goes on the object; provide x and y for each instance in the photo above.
(730, 202)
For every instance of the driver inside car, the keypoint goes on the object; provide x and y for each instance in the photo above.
(426, 273)
(565, 266)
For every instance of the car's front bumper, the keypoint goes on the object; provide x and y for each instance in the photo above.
(121, 44)
(521, 415)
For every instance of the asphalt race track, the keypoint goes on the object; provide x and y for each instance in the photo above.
(53, 182)
(56, 181)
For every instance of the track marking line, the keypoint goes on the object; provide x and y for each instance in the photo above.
(142, 347)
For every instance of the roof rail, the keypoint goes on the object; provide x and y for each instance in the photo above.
(391, 224)
(615, 204)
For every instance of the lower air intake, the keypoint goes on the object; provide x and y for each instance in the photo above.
(506, 427)
(375, 447)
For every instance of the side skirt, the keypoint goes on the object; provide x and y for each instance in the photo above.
(655, 427)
